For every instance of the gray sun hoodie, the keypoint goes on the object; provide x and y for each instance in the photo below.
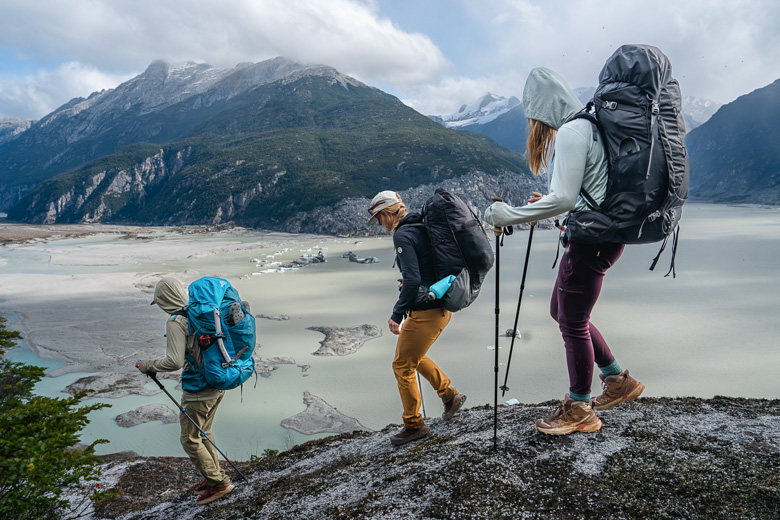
(579, 161)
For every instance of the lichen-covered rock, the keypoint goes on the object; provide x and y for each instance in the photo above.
(654, 458)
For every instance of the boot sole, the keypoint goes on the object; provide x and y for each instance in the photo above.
(216, 496)
(633, 394)
(588, 427)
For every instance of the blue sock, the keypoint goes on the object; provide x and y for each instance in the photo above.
(613, 369)
(580, 397)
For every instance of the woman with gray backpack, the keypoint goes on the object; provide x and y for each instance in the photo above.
(580, 164)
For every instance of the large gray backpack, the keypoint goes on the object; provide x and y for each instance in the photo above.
(638, 117)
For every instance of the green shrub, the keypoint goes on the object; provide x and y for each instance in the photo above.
(39, 451)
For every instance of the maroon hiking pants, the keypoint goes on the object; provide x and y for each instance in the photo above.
(577, 288)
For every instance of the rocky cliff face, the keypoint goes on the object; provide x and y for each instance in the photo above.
(349, 216)
(10, 127)
(104, 193)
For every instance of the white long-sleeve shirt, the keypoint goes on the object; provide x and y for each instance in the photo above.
(579, 161)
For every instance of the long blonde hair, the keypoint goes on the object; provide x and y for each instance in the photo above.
(541, 139)
(397, 212)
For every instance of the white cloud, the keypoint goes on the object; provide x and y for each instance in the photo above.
(719, 49)
(35, 95)
(124, 36)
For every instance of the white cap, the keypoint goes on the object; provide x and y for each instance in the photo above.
(382, 200)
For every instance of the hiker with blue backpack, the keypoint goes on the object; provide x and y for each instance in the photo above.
(210, 336)
(622, 176)
(417, 320)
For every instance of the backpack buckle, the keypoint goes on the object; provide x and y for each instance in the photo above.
(611, 105)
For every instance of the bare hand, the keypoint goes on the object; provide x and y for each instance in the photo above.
(394, 327)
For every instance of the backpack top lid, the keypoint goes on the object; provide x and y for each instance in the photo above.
(207, 293)
(642, 65)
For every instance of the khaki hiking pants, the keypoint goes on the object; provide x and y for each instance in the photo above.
(418, 333)
(201, 452)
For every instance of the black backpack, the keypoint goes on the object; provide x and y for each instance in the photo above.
(638, 116)
(459, 246)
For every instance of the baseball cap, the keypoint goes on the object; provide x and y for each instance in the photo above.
(382, 200)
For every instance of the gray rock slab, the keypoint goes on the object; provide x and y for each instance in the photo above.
(343, 341)
(320, 417)
(274, 317)
(145, 414)
(118, 384)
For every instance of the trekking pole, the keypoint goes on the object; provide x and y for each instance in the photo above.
(497, 232)
(504, 388)
(422, 401)
(202, 433)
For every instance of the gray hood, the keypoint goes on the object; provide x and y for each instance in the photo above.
(547, 98)
(170, 295)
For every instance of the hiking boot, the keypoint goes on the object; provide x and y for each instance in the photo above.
(201, 488)
(409, 435)
(213, 493)
(617, 389)
(571, 416)
(452, 406)
(235, 314)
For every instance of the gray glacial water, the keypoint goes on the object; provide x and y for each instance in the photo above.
(713, 330)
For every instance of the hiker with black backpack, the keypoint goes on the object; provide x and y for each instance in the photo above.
(200, 400)
(417, 318)
(580, 162)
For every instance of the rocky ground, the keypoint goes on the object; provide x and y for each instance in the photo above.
(655, 458)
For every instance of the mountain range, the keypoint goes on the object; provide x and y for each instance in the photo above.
(503, 119)
(275, 144)
(282, 145)
(734, 155)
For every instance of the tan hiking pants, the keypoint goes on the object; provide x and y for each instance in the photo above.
(418, 333)
(201, 452)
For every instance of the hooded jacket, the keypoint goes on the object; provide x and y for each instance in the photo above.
(171, 296)
(579, 160)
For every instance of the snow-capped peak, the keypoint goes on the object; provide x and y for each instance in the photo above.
(485, 109)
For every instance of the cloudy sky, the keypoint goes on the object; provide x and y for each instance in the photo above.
(433, 54)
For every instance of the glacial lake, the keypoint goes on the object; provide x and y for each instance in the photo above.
(712, 330)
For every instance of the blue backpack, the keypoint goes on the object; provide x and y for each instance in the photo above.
(225, 332)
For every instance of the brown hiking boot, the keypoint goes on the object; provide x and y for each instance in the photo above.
(409, 435)
(452, 406)
(571, 416)
(617, 389)
(213, 493)
(201, 488)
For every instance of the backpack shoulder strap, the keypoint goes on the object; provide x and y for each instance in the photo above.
(598, 132)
